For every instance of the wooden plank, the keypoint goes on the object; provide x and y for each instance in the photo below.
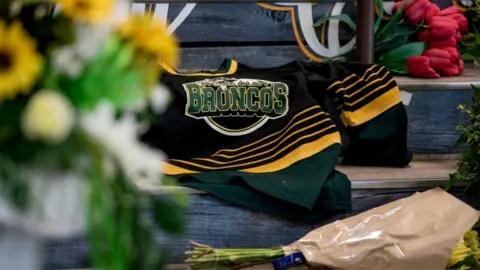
(221, 224)
(255, 56)
(250, 22)
(464, 82)
(418, 170)
(433, 117)
(419, 173)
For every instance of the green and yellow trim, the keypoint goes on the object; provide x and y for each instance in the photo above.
(372, 109)
(304, 151)
(349, 92)
(254, 145)
(307, 133)
(230, 70)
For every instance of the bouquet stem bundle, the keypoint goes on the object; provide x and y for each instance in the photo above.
(465, 255)
(207, 257)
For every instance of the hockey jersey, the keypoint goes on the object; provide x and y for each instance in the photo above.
(265, 138)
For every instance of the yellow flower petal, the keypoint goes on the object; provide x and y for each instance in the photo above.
(90, 11)
(150, 37)
(20, 63)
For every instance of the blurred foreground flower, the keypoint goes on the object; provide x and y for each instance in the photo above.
(67, 164)
(57, 202)
(149, 37)
(20, 63)
(119, 137)
(89, 11)
(48, 117)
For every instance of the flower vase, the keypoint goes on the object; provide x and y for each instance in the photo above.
(20, 250)
(55, 210)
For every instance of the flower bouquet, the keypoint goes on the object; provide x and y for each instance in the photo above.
(418, 232)
(419, 39)
(73, 91)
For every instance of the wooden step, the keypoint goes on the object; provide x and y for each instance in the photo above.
(471, 75)
(422, 172)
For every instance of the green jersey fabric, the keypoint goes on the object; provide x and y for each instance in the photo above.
(265, 139)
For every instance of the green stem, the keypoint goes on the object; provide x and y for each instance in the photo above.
(246, 257)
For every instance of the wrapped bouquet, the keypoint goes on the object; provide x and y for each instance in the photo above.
(73, 90)
(423, 231)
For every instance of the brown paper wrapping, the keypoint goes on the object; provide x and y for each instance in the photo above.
(418, 232)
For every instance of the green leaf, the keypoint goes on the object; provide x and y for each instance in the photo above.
(111, 75)
(396, 59)
(169, 215)
(468, 261)
(471, 52)
(380, 16)
(394, 20)
(342, 17)
(393, 39)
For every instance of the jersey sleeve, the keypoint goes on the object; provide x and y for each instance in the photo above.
(367, 99)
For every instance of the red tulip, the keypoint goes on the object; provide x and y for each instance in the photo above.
(462, 21)
(452, 42)
(416, 10)
(398, 5)
(456, 14)
(449, 11)
(422, 35)
(454, 54)
(441, 33)
(441, 61)
(419, 66)
(442, 24)
(433, 10)
(458, 36)
(438, 57)
(460, 64)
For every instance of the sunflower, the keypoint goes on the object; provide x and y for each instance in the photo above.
(150, 37)
(20, 63)
(90, 11)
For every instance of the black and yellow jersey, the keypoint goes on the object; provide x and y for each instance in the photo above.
(253, 137)
(364, 102)
(246, 120)
(373, 118)
(269, 138)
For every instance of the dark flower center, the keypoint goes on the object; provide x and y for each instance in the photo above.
(5, 61)
(82, 4)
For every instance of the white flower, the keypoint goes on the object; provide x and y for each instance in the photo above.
(119, 137)
(120, 12)
(57, 204)
(160, 98)
(89, 40)
(66, 60)
(48, 117)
